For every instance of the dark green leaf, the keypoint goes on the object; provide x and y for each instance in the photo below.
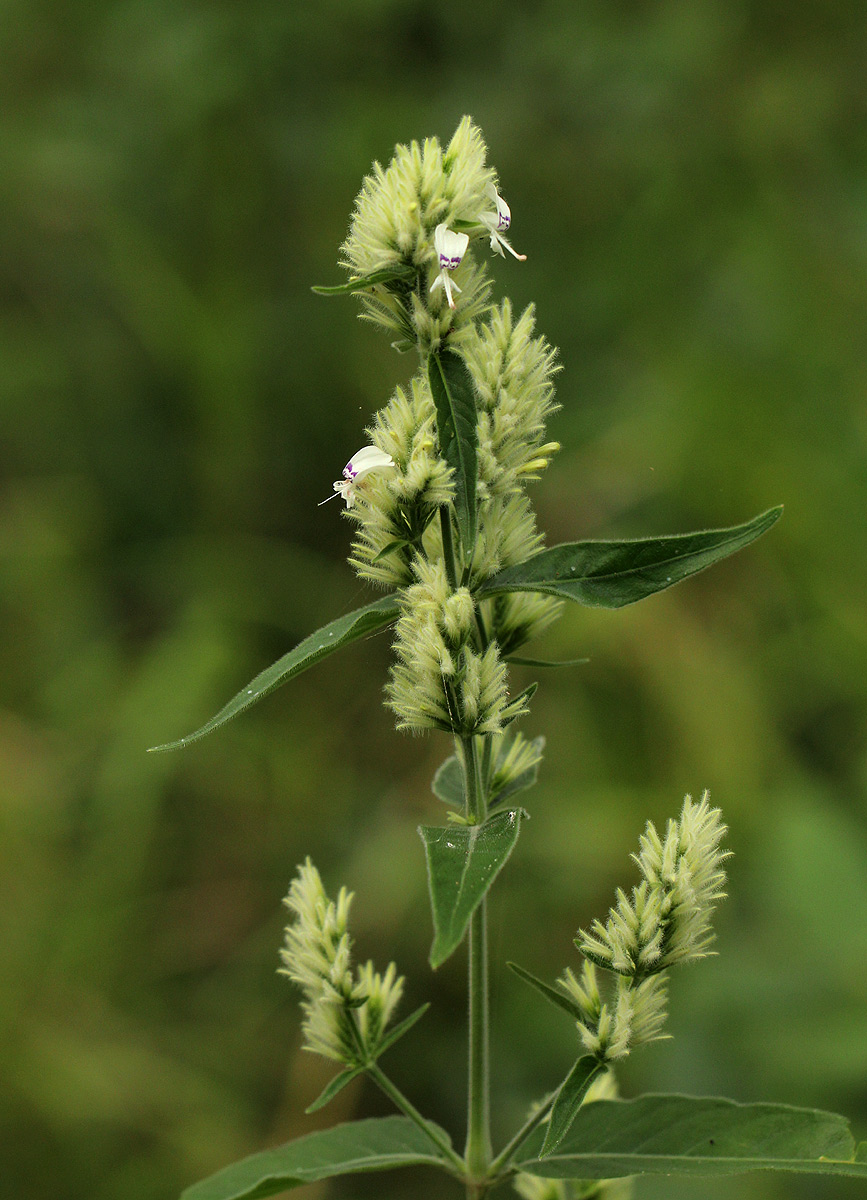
(397, 544)
(337, 1084)
(399, 1030)
(545, 662)
(455, 402)
(360, 283)
(379, 1144)
(317, 646)
(462, 863)
(570, 1097)
(448, 783)
(550, 993)
(612, 574)
(683, 1135)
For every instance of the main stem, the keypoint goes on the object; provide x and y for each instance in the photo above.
(478, 1148)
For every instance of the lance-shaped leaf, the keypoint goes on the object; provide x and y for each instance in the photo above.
(462, 863)
(379, 1144)
(319, 645)
(333, 1088)
(455, 401)
(683, 1135)
(520, 661)
(396, 274)
(550, 993)
(570, 1097)
(612, 574)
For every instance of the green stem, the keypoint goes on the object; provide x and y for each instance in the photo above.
(408, 1109)
(504, 1157)
(478, 1150)
(476, 801)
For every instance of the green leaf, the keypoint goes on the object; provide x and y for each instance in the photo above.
(546, 662)
(399, 1030)
(337, 1084)
(360, 283)
(462, 863)
(455, 402)
(684, 1135)
(319, 645)
(378, 1144)
(550, 993)
(612, 574)
(570, 1097)
(448, 783)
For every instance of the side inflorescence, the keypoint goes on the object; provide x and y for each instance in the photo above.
(345, 1015)
(666, 920)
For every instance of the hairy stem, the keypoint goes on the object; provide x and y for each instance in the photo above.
(478, 1151)
(409, 1110)
(503, 1158)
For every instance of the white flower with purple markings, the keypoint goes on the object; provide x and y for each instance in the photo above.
(450, 248)
(365, 460)
(497, 222)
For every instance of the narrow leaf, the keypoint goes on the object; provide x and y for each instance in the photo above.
(546, 662)
(448, 784)
(684, 1135)
(360, 283)
(378, 1144)
(455, 402)
(337, 1084)
(570, 1097)
(462, 863)
(612, 574)
(319, 645)
(403, 1027)
(550, 993)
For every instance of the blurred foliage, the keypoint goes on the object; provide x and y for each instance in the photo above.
(689, 181)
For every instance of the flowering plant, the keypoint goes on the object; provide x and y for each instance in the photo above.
(442, 519)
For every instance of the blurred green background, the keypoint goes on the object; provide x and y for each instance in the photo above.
(689, 181)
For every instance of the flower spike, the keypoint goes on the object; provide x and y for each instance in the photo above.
(497, 222)
(450, 248)
(365, 460)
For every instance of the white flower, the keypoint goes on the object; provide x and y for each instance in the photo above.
(450, 247)
(365, 460)
(497, 222)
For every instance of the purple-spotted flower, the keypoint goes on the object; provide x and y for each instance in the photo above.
(450, 247)
(365, 460)
(497, 222)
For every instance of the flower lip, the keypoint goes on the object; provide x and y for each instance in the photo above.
(503, 213)
(365, 460)
(450, 248)
(497, 222)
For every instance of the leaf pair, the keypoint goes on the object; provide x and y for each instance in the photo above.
(603, 574)
(672, 1135)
